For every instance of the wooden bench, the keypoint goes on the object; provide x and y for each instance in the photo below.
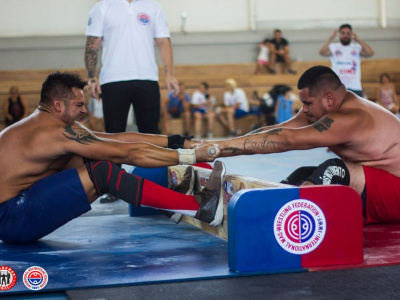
(30, 81)
(243, 125)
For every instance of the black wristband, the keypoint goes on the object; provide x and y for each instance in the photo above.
(176, 141)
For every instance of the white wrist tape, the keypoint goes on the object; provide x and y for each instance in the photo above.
(187, 156)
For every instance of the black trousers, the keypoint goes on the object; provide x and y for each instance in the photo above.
(118, 97)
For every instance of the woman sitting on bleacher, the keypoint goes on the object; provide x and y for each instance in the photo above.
(15, 108)
(202, 104)
(235, 106)
(386, 94)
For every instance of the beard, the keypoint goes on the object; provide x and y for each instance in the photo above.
(311, 119)
(345, 42)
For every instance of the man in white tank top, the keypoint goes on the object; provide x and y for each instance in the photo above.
(346, 57)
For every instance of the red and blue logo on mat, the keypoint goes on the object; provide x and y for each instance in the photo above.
(144, 18)
(35, 278)
(299, 226)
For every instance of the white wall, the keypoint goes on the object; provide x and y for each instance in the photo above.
(393, 12)
(207, 15)
(43, 17)
(318, 14)
(69, 17)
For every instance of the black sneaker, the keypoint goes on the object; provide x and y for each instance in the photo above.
(185, 187)
(211, 198)
(272, 71)
(290, 71)
(108, 198)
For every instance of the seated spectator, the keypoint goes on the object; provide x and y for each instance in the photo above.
(235, 106)
(263, 57)
(268, 108)
(203, 107)
(269, 101)
(284, 106)
(279, 52)
(95, 114)
(176, 107)
(257, 104)
(386, 94)
(15, 107)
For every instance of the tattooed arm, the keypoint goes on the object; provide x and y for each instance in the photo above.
(135, 137)
(165, 48)
(299, 120)
(333, 129)
(80, 141)
(92, 49)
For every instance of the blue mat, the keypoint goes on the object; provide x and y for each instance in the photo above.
(120, 250)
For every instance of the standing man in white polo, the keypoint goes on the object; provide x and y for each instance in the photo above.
(126, 30)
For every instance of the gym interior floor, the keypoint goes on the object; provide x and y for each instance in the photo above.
(360, 283)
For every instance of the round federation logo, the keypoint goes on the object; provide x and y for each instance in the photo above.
(35, 278)
(338, 52)
(8, 278)
(144, 18)
(299, 226)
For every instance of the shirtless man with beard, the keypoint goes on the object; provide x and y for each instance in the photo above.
(364, 135)
(54, 167)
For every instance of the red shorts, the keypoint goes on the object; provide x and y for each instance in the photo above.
(383, 196)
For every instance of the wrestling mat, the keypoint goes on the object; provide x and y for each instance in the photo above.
(105, 251)
(118, 250)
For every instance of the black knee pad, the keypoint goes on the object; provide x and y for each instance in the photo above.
(332, 171)
(299, 176)
(107, 177)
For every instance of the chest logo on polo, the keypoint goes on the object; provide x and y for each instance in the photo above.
(144, 19)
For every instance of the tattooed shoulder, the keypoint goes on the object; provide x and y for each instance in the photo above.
(79, 135)
(323, 124)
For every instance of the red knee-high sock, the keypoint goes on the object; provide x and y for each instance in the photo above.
(156, 196)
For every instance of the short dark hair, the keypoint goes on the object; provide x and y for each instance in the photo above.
(346, 26)
(383, 75)
(277, 30)
(205, 84)
(317, 77)
(59, 85)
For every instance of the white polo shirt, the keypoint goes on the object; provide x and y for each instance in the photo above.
(238, 96)
(346, 63)
(128, 31)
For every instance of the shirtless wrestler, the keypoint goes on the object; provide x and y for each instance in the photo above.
(364, 135)
(45, 181)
